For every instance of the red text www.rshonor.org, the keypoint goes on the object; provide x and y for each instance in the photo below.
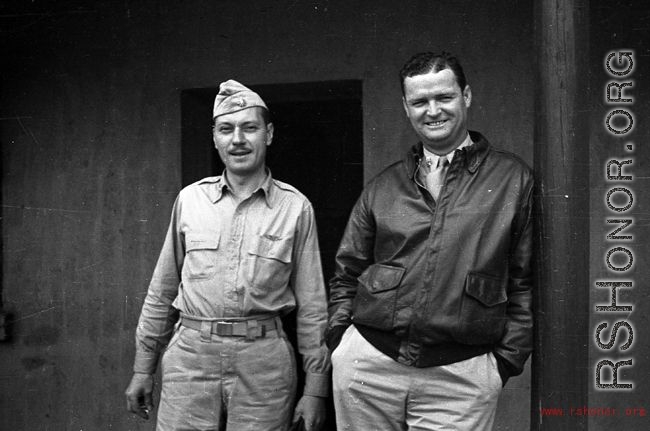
(593, 411)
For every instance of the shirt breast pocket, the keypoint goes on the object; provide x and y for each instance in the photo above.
(270, 261)
(200, 255)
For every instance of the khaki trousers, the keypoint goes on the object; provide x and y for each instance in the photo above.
(227, 383)
(374, 392)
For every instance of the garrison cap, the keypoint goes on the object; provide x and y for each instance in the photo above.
(233, 97)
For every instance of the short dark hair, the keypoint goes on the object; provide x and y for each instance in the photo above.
(426, 62)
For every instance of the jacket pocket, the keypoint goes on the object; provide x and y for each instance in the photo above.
(269, 261)
(483, 309)
(200, 254)
(374, 304)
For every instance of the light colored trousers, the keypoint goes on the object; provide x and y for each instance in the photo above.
(227, 383)
(374, 392)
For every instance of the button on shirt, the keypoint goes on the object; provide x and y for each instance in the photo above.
(221, 259)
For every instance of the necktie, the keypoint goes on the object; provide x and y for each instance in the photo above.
(436, 177)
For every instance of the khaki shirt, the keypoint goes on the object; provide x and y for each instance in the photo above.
(222, 260)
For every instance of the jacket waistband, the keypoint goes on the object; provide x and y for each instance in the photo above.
(428, 356)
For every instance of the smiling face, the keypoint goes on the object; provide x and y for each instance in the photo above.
(437, 108)
(241, 139)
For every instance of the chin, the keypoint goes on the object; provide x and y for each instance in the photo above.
(437, 140)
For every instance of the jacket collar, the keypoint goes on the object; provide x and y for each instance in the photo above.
(471, 157)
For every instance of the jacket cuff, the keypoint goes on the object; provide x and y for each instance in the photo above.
(145, 362)
(317, 385)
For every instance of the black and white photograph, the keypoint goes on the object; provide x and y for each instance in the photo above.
(321, 215)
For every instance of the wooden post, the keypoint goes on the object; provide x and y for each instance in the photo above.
(561, 160)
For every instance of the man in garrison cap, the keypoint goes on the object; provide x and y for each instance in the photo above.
(241, 251)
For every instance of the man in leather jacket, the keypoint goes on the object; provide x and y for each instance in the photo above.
(430, 306)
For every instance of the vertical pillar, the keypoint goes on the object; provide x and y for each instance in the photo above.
(561, 160)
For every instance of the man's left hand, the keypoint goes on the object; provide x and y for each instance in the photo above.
(312, 410)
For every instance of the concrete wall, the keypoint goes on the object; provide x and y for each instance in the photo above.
(91, 156)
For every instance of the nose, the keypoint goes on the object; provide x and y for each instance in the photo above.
(433, 109)
(238, 136)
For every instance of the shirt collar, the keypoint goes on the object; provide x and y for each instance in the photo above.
(473, 155)
(222, 186)
(433, 158)
(267, 188)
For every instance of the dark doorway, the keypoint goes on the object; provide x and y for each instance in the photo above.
(317, 147)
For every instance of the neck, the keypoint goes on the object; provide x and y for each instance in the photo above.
(243, 186)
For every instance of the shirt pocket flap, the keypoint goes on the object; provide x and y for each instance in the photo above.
(488, 290)
(273, 247)
(201, 241)
(380, 278)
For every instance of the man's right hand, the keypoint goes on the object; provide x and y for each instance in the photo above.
(139, 398)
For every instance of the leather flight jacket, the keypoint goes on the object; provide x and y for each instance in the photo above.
(430, 283)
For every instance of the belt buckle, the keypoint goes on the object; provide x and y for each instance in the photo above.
(224, 329)
(251, 330)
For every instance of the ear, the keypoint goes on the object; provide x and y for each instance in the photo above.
(269, 134)
(406, 109)
(467, 95)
